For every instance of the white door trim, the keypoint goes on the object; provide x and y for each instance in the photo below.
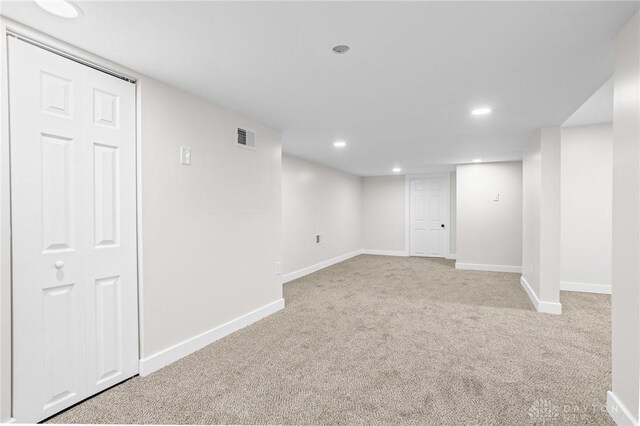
(9, 27)
(407, 200)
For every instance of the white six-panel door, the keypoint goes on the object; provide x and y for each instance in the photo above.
(75, 322)
(429, 216)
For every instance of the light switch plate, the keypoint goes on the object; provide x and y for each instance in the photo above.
(496, 197)
(278, 268)
(185, 156)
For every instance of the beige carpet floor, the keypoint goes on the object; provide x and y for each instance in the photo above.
(386, 340)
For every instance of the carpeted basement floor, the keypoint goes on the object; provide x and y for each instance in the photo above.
(387, 340)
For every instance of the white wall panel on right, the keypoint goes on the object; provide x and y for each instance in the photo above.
(453, 223)
(489, 216)
(625, 266)
(531, 188)
(586, 191)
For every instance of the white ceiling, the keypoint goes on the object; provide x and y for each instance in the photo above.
(400, 97)
(597, 109)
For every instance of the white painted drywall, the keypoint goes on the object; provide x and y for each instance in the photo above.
(585, 229)
(550, 215)
(625, 299)
(531, 191)
(5, 239)
(453, 225)
(598, 109)
(383, 213)
(541, 218)
(211, 231)
(489, 233)
(318, 200)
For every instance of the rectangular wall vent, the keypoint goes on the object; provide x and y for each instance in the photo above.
(246, 138)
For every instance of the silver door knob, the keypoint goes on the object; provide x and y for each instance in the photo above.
(59, 264)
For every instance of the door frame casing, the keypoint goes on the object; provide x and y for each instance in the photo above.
(407, 182)
(8, 27)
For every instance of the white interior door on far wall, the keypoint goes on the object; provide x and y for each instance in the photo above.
(429, 215)
(75, 319)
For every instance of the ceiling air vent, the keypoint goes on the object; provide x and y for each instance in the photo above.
(246, 138)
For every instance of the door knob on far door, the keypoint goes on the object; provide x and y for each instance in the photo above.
(442, 225)
(59, 264)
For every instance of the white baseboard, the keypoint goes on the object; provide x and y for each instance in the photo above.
(585, 287)
(330, 262)
(541, 306)
(451, 256)
(385, 252)
(618, 412)
(158, 360)
(492, 268)
(314, 268)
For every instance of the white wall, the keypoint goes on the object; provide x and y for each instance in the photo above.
(5, 240)
(541, 220)
(453, 222)
(384, 214)
(318, 200)
(531, 171)
(550, 216)
(489, 233)
(585, 224)
(625, 299)
(598, 109)
(211, 231)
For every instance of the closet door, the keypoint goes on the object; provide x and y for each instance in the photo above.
(72, 131)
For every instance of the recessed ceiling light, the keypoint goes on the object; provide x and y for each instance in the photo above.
(396, 170)
(477, 160)
(340, 49)
(340, 144)
(481, 111)
(61, 8)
